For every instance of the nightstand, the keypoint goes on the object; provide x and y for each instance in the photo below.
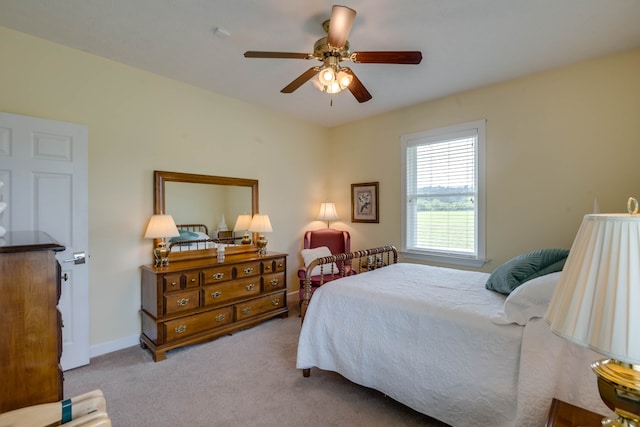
(563, 414)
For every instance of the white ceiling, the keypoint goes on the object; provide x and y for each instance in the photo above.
(465, 43)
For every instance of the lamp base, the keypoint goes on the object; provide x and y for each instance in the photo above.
(619, 387)
(246, 239)
(261, 243)
(161, 252)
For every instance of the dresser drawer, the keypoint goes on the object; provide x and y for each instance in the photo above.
(248, 269)
(259, 306)
(224, 292)
(171, 282)
(190, 325)
(274, 266)
(217, 274)
(273, 282)
(192, 279)
(175, 302)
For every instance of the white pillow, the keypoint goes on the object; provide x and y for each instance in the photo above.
(311, 254)
(528, 300)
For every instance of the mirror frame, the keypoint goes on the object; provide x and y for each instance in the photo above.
(161, 177)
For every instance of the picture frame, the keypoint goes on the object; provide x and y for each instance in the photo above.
(364, 202)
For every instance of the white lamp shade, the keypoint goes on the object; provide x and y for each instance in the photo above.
(596, 303)
(328, 212)
(260, 224)
(161, 226)
(242, 223)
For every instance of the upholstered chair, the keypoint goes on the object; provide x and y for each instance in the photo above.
(338, 242)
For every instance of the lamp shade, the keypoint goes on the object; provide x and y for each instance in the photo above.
(596, 303)
(328, 212)
(260, 224)
(161, 226)
(242, 223)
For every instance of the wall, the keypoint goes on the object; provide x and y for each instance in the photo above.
(555, 142)
(139, 122)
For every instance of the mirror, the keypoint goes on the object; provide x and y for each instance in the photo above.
(205, 199)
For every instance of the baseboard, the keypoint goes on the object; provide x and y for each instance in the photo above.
(115, 345)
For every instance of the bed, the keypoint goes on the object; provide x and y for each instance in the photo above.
(437, 340)
(196, 237)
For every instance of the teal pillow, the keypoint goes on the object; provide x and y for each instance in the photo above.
(522, 268)
(184, 236)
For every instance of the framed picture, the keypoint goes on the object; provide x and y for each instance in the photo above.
(364, 202)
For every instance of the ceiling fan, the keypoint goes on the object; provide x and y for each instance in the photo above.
(331, 51)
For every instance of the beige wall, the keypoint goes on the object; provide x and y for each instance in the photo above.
(555, 141)
(139, 122)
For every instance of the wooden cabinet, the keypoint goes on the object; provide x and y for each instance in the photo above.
(563, 414)
(199, 300)
(31, 335)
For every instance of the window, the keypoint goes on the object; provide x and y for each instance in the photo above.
(443, 194)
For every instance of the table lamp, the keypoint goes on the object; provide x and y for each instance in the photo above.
(327, 212)
(242, 224)
(160, 227)
(260, 224)
(596, 304)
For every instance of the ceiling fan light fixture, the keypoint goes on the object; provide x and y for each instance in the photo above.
(344, 79)
(327, 75)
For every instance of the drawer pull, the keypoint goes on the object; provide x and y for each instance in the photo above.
(275, 302)
(246, 310)
(216, 294)
(193, 279)
(218, 276)
(251, 286)
(180, 329)
(174, 284)
(274, 282)
(220, 317)
(182, 302)
(280, 265)
(248, 270)
(267, 268)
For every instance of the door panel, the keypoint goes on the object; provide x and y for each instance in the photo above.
(44, 165)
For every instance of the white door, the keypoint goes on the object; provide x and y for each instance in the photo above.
(44, 166)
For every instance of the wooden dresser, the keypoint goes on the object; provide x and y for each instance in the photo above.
(194, 301)
(31, 334)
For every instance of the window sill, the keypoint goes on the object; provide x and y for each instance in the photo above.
(445, 259)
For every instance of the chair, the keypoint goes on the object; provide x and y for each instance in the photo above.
(337, 241)
(85, 410)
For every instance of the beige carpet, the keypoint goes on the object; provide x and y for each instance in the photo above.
(248, 379)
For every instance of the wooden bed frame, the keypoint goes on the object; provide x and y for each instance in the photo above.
(365, 260)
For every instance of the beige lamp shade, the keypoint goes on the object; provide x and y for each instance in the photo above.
(242, 223)
(327, 212)
(596, 303)
(161, 226)
(260, 223)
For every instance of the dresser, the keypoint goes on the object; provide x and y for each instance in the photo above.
(31, 334)
(199, 300)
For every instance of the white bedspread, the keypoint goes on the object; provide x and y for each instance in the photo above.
(423, 336)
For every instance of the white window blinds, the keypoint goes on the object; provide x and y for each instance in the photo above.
(441, 191)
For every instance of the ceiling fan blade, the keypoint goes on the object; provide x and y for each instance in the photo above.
(356, 87)
(302, 79)
(278, 55)
(340, 25)
(387, 57)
